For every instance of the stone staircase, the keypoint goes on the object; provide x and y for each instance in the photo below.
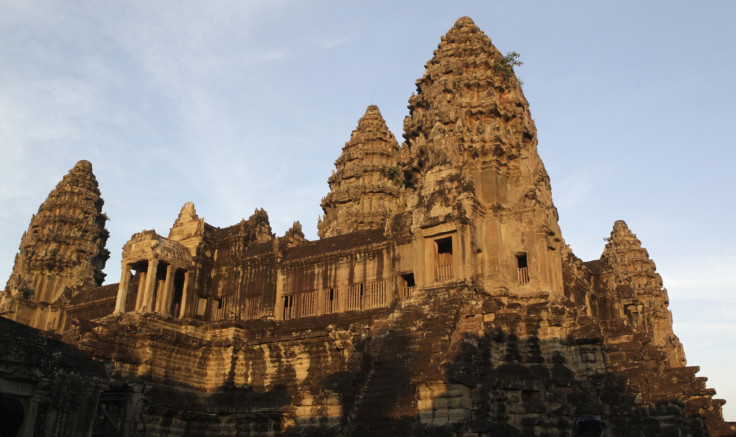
(399, 359)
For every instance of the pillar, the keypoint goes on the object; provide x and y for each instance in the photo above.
(150, 285)
(185, 296)
(164, 297)
(170, 289)
(123, 289)
(141, 289)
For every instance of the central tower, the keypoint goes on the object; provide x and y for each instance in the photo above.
(470, 162)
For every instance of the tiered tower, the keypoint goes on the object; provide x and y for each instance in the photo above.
(640, 297)
(365, 189)
(471, 158)
(63, 250)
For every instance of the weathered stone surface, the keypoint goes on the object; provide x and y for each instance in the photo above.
(365, 189)
(46, 386)
(62, 252)
(441, 299)
(471, 155)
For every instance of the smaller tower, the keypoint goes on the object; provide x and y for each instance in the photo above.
(643, 302)
(365, 189)
(62, 252)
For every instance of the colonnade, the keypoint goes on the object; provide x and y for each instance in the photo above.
(153, 297)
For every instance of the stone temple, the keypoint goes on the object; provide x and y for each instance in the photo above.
(441, 299)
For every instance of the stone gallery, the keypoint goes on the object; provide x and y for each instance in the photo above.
(441, 299)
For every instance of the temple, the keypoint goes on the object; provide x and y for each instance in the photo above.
(441, 299)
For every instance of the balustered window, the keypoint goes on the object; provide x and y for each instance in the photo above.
(407, 284)
(289, 307)
(443, 247)
(522, 268)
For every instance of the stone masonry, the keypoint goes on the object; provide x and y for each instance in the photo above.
(441, 299)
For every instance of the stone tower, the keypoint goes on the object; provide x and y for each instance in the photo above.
(366, 186)
(441, 299)
(62, 252)
(640, 297)
(470, 157)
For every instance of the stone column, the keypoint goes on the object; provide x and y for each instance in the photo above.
(185, 296)
(150, 285)
(170, 288)
(278, 305)
(123, 289)
(163, 297)
(141, 290)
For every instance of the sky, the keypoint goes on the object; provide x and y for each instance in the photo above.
(238, 105)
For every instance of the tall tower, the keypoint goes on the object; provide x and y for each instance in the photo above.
(470, 158)
(62, 252)
(365, 189)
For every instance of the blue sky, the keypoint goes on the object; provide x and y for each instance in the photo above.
(240, 105)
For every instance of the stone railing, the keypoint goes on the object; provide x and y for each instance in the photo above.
(361, 296)
(376, 295)
(407, 291)
(330, 301)
(253, 307)
(306, 304)
(355, 297)
(523, 275)
(218, 309)
(444, 272)
(289, 312)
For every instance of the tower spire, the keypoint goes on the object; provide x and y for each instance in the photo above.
(365, 188)
(64, 247)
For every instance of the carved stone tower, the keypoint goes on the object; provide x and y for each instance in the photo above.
(63, 250)
(365, 188)
(641, 301)
(470, 158)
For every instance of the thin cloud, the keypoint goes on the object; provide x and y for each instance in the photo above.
(331, 43)
(702, 278)
(573, 190)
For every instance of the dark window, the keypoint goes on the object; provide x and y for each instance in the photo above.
(521, 261)
(523, 268)
(408, 285)
(444, 258)
(408, 279)
(111, 412)
(444, 245)
(288, 307)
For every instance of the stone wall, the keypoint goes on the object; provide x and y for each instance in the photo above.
(440, 300)
(447, 362)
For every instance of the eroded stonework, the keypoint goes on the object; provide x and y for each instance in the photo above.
(62, 252)
(441, 299)
(365, 189)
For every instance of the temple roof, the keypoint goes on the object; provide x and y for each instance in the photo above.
(340, 243)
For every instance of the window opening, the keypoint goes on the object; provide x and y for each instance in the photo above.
(444, 258)
(11, 414)
(307, 303)
(523, 268)
(408, 284)
(253, 307)
(355, 297)
(288, 307)
(218, 310)
(375, 295)
(111, 413)
(331, 301)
